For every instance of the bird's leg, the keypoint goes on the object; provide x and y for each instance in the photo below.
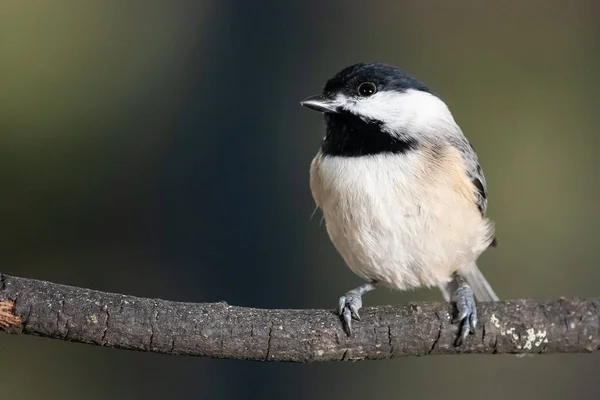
(462, 295)
(351, 302)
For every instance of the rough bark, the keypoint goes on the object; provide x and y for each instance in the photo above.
(220, 330)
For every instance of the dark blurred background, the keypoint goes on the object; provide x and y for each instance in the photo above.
(158, 148)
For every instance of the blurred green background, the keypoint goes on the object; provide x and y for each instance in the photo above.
(158, 148)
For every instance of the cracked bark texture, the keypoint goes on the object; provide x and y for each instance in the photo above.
(220, 330)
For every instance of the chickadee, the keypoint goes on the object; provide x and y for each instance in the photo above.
(401, 190)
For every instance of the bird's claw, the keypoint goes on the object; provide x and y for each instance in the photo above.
(466, 313)
(348, 308)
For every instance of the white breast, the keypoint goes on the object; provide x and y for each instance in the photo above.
(403, 220)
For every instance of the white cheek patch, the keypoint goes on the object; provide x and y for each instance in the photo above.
(399, 111)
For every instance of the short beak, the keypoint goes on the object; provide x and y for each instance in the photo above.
(320, 103)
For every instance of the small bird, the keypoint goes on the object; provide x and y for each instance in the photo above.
(401, 190)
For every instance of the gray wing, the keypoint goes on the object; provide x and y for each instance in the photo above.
(476, 175)
(474, 172)
(478, 178)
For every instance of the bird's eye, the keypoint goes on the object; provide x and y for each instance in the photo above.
(366, 89)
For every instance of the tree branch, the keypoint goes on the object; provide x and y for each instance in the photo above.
(219, 330)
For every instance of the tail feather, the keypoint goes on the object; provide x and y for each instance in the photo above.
(481, 288)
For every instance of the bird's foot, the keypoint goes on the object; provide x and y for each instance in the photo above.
(466, 310)
(350, 303)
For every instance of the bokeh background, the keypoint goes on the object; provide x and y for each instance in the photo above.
(158, 148)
